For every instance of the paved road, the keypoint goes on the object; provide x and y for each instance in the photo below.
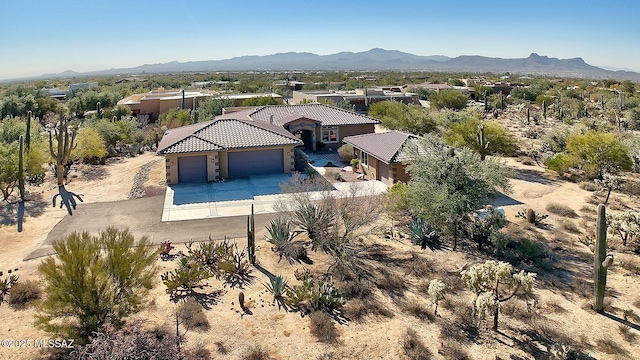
(143, 217)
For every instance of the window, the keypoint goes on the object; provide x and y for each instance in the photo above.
(330, 134)
(365, 159)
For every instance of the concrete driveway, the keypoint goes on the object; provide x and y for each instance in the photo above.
(143, 218)
(232, 197)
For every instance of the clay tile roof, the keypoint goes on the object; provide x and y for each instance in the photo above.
(389, 147)
(224, 134)
(293, 117)
(325, 114)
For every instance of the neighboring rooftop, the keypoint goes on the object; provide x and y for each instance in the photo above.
(390, 147)
(222, 134)
(325, 114)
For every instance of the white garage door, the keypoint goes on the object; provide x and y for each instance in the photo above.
(192, 168)
(257, 162)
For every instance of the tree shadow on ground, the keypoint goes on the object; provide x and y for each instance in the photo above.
(206, 300)
(67, 199)
(533, 176)
(94, 172)
(14, 213)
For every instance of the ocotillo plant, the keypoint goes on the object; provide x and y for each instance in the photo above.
(65, 138)
(601, 261)
(483, 144)
(251, 237)
(21, 168)
(27, 140)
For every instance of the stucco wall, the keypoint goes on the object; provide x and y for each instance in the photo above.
(399, 173)
(171, 166)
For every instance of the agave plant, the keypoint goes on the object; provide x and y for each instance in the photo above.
(281, 230)
(315, 220)
(423, 234)
(278, 287)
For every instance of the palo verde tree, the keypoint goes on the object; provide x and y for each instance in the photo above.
(494, 282)
(483, 137)
(95, 281)
(449, 99)
(447, 184)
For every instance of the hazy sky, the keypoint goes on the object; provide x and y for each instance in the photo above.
(44, 36)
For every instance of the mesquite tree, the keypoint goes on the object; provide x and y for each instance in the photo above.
(494, 283)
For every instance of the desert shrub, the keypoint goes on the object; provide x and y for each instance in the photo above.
(609, 346)
(561, 210)
(118, 345)
(315, 295)
(256, 352)
(436, 293)
(413, 346)
(528, 249)
(588, 186)
(95, 282)
(191, 315)
(417, 309)
(23, 293)
(322, 327)
(453, 350)
(185, 277)
(570, 226)
(345, 152)
(555, 139)
(627, 334)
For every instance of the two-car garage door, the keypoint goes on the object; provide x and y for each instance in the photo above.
(241, 164)
(247, 163)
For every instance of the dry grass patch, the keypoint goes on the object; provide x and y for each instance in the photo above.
(609, 346)
(453, 350)
(570, 227)
(627, 333)
(256, 352)
(419, 310)
(322, 327)
(23, 293)
(561, 210)
(413, 346)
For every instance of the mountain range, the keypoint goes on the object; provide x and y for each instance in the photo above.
(376, 59)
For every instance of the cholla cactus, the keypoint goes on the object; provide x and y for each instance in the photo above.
(489, 280)
(436, 293)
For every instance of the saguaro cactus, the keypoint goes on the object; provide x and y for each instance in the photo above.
(65, 138)
(502, 101)
(251, 237)
(528, 115)
(182, 102)
(544, 109)
(602, 101)
(486, 102)
(483, 144)
(601, 260)
(27, 140)
(99, 109)
(21, 168)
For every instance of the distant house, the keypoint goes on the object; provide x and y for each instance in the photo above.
(381, 154)
(359, 98)
(255, 141)
(160, 101)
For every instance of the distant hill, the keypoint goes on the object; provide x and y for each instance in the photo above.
(377, 59)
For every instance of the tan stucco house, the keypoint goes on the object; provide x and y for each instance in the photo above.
(255, 141)
(381, 155)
